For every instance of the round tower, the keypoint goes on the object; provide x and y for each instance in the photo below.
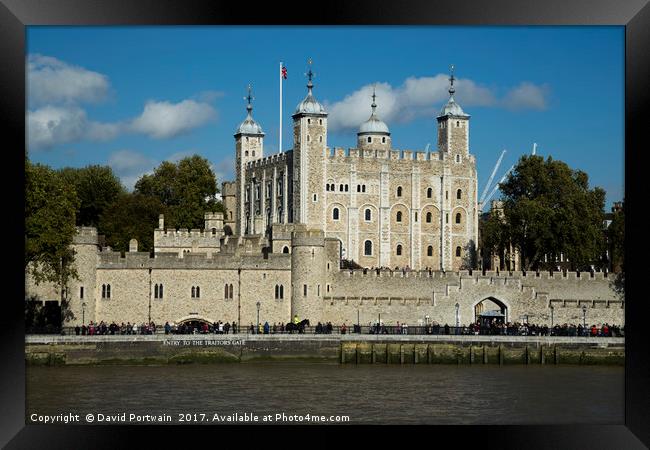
(308, 261)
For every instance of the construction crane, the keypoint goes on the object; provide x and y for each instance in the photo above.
(489, 182)
(427, 148)
(534, 148)
(496, 188)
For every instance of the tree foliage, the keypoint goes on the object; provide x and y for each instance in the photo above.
(131, 216)
(549, 209)
(97, 187)
(186, 189)
(616, 239)
(50, 206)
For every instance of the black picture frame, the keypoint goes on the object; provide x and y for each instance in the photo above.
(15, 15)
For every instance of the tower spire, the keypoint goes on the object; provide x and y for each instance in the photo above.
(374, 95)
(451, 81)
(309, 76)
(249, 98)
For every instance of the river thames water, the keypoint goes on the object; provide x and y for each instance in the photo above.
(386, 394)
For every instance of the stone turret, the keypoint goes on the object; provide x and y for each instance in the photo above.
(308, 262)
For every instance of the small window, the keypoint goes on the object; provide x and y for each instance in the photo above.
(81, 292)
(399, 250)
(285, 249)
(318, 290)
(160, 291)
(399, 191)
(193, 292)
(358, 188)
(346, 188)
(320, 121)
(458, 251)
(320, 138)
(459, 194)
(458, 217)
(458, 123)
(281, 291)
(383, 140)
(457, 158)
(399, 216)
(308, 138)
(416, 216)
(103, 291)
(367, 248)
(304, 290)
(309, 121)
(446, 217)
(155, 291)
(363, 188)
(315, 197)
(429, 193)
(429, 215)
(335, 214)
(277, 292)
(231, 292)
(368, 215)
(430, 250)
(446, 195)
(369, 139)
(340, 188)
(246, 152)
(108, 291)
(226, 292)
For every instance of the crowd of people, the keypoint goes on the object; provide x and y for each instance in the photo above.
(102, 328)
(495, 328)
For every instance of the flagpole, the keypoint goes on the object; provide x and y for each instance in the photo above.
(280, 145)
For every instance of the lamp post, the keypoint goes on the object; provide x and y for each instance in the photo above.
(457, 319)
(83, 313)
(149, 297)
(551, 306)
(584, 313)
(257, 327)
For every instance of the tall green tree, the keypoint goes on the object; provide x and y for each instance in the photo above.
(97, 187)
(186, 189)
(50, 207)
(616, 239)
(131, 216)
(550, 209)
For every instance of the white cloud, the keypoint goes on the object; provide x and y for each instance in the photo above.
(50, 80)
(424, 96)
(130, 166)
(52, 125)
(162, 120)
(224, 170)
(527, 96)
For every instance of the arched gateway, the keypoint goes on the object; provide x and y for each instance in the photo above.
(490, 309)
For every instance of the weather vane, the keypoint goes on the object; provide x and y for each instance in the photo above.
(451, 79)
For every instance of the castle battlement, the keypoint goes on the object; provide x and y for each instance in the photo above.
(366, 153)
(171, 233)
(167, 260)
(86, 235)
(267, 160)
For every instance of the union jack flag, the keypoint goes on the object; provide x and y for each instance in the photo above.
(284, 73)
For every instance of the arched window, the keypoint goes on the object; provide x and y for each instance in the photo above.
(399, 191)
(332, 187)
(458, 217)
(108, 291)
(367, 248)
(457, 158)
(416, 216)
(309, 121)
(383, 140)
(340, 188)
(363, 188)
(281, 291)
(160, 291)
(335, 214)
(155, 291)
(346, 188)
(399, 250)
(198, 292)
(369, 139)
(358, 188)
(429, 217)
(320, 121)
(246, 152)
(320, 138)
(285, 249)
(458, 123)
(277, 292)
(458, 250)
(193, 292)
(399, 216)
(368, 214)
(429, 193)
(103, 291)
(459, 194)
(231, 292)
(430, 250)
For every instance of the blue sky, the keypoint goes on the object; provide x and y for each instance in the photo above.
(131, 97)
